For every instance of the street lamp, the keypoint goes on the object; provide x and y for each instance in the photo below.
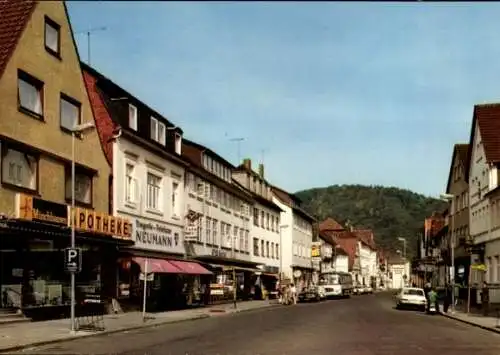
(401, 239)
(281, 250)
(449, 198)
(77, 129)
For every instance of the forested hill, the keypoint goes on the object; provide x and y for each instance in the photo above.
(390, 212)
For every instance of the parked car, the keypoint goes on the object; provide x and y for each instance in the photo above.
(411, 297)
(311, 293)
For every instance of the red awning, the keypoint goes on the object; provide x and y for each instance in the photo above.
(191, 268)
(157, 265)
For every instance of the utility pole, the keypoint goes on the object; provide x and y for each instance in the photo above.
(88, 33)
(238, 147)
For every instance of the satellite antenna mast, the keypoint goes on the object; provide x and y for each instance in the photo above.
(89, 32)
(238, 145)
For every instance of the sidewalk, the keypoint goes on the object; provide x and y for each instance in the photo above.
(488, 323)
(22, 335)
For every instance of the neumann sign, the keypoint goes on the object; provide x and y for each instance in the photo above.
(158, 236)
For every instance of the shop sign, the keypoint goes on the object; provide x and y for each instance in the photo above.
(35, 209)
(157, 236)
(316, 250)
(91, 221)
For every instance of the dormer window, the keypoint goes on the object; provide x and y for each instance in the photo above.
(132, 117)
(178, 143)
(157, 131)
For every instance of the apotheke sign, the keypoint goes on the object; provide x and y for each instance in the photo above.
(157, 236)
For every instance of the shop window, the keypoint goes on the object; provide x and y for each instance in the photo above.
(153, 191)
(52, 37)
(255, 247)
(30, 95)
(19, 169)
(70, 113)
(83, 186)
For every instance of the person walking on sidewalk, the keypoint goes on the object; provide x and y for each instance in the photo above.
(293, 289)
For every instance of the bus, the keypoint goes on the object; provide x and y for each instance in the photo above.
(336, 284)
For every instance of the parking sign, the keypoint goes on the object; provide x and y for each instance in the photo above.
(73, 259)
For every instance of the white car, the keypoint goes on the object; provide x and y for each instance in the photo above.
(411, 297)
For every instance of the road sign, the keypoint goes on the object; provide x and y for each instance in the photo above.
(73, 259)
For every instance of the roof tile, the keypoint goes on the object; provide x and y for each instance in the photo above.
(14, 15)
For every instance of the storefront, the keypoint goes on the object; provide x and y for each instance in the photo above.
(232, 272)
(302, 276)
(32, 275)
(172, 282)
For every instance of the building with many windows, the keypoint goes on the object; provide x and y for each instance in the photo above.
(265, 226)
(219, 214)
(296, 237)
(145, 152)
(43, 105)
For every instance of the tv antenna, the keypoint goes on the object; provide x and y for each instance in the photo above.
(89, 32)
(238, 146)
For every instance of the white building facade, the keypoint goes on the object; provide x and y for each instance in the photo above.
(265, 226)
(296, 237)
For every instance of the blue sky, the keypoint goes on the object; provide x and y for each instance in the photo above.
(333, 93)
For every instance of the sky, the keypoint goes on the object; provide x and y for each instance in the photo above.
(323, 93)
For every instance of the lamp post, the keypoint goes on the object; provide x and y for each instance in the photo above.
(77, 129)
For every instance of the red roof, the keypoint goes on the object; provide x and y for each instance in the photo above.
(14, 15)
(349, 245)
(366, 236)
(330, 224)
(104, 124)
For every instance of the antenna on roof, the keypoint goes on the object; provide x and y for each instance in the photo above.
(238, 146)
(88, 33)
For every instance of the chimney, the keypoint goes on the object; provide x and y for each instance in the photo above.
(247, 163)
(261, 171)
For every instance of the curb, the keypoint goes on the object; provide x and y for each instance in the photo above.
(491, 329)
(97, 334)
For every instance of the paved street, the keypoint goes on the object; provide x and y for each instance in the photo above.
(362, 325)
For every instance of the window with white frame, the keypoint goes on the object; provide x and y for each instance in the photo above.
(190, 181)
(154, 129)
(178, 143)
(255, 247)
(214, 232)
(30, 94)
(247, 236)
(200, 188)
(176, 198)
(272, 250)
(153, 191)
(229, 238)
(161, 133)
(277, 251)
(132, 117)
(19, 168)
(158, 131)
(131, 187)
(70, 112)
(208, 222)
(267, 249)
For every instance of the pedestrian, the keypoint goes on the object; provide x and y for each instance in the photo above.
(447, 298)
(293, 290)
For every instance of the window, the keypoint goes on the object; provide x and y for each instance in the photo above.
(246, 240)
(262, 219)
(19, 169)
(69, 112)
(208, 222)
(272, 250)
(83, 187)
(153, 191)
(175, 199)
(130, 184)
(262, 248)
(267, 220)
(154, 129)
(255, 246)
(178, 143)
(214, 231)
(29, 94)
(52, 37)
(132, 117)
(200, 187)
(256, 216)
(242, 240)
(229, 238)
(277, 251)
(267, 249)
(161, 133)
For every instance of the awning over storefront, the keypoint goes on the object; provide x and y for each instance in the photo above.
(157, 265)
(191, 268)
